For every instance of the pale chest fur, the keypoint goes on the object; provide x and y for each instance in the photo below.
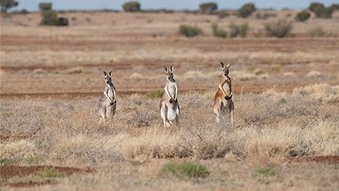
(227, 88)
(172, 89)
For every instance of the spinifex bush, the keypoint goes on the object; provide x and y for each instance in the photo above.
(189, 31)
(185, 169)
(279, 29)
(302, 16)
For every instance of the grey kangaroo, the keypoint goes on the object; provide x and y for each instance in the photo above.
(169, 104)
(107, 103)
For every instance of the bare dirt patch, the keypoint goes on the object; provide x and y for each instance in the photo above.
(7, 172)
(318, 159)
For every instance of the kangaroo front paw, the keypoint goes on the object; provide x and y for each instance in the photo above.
(228, 97)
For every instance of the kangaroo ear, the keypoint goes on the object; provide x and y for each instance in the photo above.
(222, 64)
(105, 73)
(171, 68)
(110, 73)
(228, 66)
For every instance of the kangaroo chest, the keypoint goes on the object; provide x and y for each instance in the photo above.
(172, 89)
(227, 88)
(110, 93)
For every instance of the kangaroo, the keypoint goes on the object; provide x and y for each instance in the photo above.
(107, 103)
(169, 105)
(223, 104)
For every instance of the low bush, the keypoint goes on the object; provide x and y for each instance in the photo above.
(266, 171)
(302, 16)
(238, 30)
(279, 29)
(50, 16)
(189, 31)
(218, 32)
(185, 169)
(320, 32)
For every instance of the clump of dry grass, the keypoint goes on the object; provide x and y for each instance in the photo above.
(319, 92)
(314, 74)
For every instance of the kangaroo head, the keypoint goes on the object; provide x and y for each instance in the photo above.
(169, 73)
(225, 69)
(108, 78)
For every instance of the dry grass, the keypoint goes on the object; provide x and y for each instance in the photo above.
(65, 132)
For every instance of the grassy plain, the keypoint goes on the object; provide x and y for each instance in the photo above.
(286, 100)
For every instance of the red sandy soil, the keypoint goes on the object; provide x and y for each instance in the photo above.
(7, 172)
(318, 159)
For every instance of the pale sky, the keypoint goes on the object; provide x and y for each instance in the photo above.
(32, 5)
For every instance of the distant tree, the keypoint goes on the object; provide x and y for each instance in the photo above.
(315, 5)
(132, 6)
(246, 10)
(7, 4)
(208, 8)
(45, 6)
(302, 16)
(320, 10)
(335, 6)
(50, 16)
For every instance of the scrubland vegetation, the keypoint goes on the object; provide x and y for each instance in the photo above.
(271, 128)
(286, 97)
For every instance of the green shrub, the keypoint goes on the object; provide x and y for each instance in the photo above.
(243, 29)
(45, 6)
(266, 171)
(279, 29)
(49, 17)
(238, 30)
(49, 173)
(218, 32)
(320, 32)
(132, 6)
(189, 31)
(208, 8)
(233, 30)
(246, 10)
(185, 169)
(302, 16)
(63, 21)
(5, 161)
